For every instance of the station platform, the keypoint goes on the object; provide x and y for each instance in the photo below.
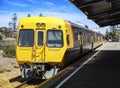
(102, 70)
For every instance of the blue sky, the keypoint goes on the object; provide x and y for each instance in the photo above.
(58, 8)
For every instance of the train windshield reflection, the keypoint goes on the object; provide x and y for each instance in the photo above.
(26, 38)
(54, 38)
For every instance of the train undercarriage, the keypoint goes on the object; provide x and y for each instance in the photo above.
(38, 70)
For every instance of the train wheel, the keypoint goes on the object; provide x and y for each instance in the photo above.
(39, 73)
(22, 72)
(50, 73)
(27, 73)
(30, 74)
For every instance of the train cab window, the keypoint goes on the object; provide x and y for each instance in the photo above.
(40, 38)
(26, 37)
(54, 38)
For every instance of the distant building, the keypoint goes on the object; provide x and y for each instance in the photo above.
(7, 33)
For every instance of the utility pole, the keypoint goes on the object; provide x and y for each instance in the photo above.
(107, 34)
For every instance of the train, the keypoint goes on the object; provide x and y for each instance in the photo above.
(47, 44)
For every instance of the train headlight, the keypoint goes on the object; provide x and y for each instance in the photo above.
(43, 25)
(22, 26)
(59, 26)
(38, 25)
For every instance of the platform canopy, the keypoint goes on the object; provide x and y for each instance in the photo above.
(102, 12)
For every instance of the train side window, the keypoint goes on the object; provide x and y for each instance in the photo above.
(76, 37)
(68, 39)
(40, 38)
(79, 37)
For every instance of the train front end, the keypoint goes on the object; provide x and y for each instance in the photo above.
(40, 46)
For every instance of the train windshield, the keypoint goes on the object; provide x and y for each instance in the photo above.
(26, 38)
(54, 38)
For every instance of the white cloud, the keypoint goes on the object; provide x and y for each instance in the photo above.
(73, 17)
(4, 11)
(17, 4)
(49, 3)
(33, 1)
(4, 19)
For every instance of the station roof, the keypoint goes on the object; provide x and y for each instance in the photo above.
(102, 12)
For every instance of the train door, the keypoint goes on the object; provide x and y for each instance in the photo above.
(25, 44)
(40, 45)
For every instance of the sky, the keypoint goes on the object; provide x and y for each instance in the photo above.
(58, 8)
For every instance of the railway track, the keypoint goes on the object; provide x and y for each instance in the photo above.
(31, 83)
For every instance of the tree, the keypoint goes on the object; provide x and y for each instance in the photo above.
(0, 37)
(115, 31)
(12, 24)
(14, 19)
(107, 35)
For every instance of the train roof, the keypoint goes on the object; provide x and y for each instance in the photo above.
(78, 25)
(50, 19)
(41, 18)
(84, 27)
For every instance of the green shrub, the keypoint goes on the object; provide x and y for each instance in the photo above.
(9, 51)
(0, 37)
(4, 70)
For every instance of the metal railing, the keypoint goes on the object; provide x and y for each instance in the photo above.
(7, 42)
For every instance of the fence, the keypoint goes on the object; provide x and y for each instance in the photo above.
(7, 42)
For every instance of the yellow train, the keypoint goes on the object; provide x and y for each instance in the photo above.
(46, 44)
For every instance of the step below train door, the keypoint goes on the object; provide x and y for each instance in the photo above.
(40, 46)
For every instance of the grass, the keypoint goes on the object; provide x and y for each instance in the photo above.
(0, 85)
(16, 66)
(9, 51)
(4, 70)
